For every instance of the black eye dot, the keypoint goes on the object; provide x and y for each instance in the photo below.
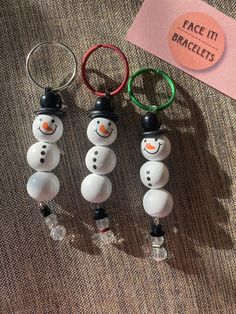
(109, 123)
(44, 146)
(42, 160)
(148, 178)
(94, 167)
(145, 141)
(42, 153)
(52, 120)
(155, 139)
(41, 119)
(149, 184)
(98, 122)
(147, 171)
(94, 159)
(96, 152)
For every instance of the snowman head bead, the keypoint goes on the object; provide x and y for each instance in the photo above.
(102, 129)
(47, 128)
(154, 146)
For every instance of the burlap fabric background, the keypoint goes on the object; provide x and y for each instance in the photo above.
(38, 275)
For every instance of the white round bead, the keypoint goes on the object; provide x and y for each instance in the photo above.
(102, 131)
(96, 188)
(47, 128)
(154, 174)
(158, 203)
(43, 186)
(100, 160)
(43, 156)
(157, 148)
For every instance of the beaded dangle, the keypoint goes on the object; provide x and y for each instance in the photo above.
(100, 160)
(154, 174)
(44, 155)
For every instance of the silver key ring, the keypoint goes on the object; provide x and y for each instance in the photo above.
(59, 88)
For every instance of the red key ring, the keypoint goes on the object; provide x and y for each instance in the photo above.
(84, 74)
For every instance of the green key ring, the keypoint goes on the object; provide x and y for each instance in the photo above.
(151, 107)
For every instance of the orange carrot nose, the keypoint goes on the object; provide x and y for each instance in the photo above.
(46, 126)
(103, 129)
(149, 146)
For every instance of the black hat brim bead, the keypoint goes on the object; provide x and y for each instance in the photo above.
(50, 111)
(152, 133)
(103, 114)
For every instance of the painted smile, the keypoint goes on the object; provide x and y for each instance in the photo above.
(48, 133)
(157, 150)
(103, 135)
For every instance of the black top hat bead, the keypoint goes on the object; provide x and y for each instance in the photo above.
(50, 103)
(151, 126)
(104, 109)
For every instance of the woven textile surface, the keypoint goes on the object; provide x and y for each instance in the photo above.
(38, 275)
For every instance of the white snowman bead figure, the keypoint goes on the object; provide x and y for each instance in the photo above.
(96, 188)
(102, 131)
(156, 148)
(43, 156)
(43, 186)
(47, 128)
(154, 174)
(158, 203)
(100, 160)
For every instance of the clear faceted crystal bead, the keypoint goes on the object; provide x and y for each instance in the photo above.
(102, 224)
(58, 233)
(157, 241)
(51, 221)
(159, 254)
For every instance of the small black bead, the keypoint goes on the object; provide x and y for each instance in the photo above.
(45, 210)
(157, 231)
(148, 178)
(44, 146)
(42, 160)
(149, 184)
(94, 167)
(96, 152)
(94, 159)
(147, 171)
(43, 153)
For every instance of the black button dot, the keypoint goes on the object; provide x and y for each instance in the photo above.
(96, 152)
(147, 171)
(42, 160)
(42, 153)
(94, 159)
(148, 178)
(44, 146)
(149, 184)
(94, 167)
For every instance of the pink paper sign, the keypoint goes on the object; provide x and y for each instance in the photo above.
(192, 36)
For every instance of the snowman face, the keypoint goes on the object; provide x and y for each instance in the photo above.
(154, 174)
(156, 148)
(100, 160)
(43, 156)
(47, 128)
(102, 131)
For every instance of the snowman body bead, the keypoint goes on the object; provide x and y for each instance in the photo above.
(43, 156)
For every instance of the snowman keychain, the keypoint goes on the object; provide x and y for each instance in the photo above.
(155, 147)
(44, 155)
(96, 188)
